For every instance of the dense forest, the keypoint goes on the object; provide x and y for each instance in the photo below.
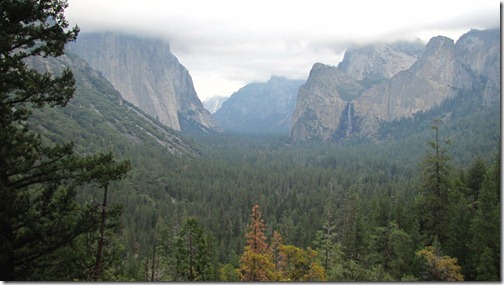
(420, 201)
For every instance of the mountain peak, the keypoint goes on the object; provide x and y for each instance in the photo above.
(261, 107)
(384, 82)
(379, 61)
(148, 75)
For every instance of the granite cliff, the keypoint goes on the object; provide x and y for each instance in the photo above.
(385, 82)
(262, 107)
(148, 75)
(214, 103)
(98, 116)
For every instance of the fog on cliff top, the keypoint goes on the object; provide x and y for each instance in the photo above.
(226, 44)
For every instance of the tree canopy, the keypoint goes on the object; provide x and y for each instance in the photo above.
(38, 182)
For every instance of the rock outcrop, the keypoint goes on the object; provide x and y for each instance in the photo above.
(214, 103)
(382, 82)
(147, 75)
(260, 107)
(98, 115)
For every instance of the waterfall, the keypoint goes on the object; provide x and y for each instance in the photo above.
(349, 118)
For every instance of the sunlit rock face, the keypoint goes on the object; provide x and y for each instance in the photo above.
(383, 82)
(148, 75)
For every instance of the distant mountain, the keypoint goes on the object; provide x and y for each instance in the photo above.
(374, 63)
(260, 107)
(148, 75)
(98, 118)
(213, 104)
(386, 82)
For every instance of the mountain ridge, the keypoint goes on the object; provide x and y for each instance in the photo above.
(146, 74)
(98, 117)
(214, 103)
(334, 104)
(260, 107)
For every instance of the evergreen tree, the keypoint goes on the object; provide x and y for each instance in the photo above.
(351, 226)
(435, 187)
(256, 263)
(300, 265)
(485, 228)
(105, 170)
(276, 243)
(192, 253)
(391, 247)
(38, 184)
(326, 244)
(462, 209)
(475, 177)
(256, 238)
(440, 268)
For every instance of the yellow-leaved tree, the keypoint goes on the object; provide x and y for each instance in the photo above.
(256, 263)
(278, 262)
(441, 268)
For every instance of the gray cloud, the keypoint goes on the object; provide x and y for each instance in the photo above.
(226, 44)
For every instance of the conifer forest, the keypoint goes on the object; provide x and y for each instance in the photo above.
(420, 201)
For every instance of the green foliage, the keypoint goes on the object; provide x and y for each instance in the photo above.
(392, 248)
(40, 217)
(485, 228)
(300, 265)
(440, 268)
(227, 273)
(435, 189)
(192, 255)
(325, 242)
(368, 191)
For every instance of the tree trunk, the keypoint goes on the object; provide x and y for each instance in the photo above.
(99, 254)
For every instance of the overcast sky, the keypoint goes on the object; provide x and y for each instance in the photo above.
(226, 44)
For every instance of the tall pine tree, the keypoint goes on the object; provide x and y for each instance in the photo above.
(192, 255)
(485, 228)
(38, 183)
(435, 187)
(256, 263)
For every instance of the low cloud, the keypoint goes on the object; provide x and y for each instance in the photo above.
(226, 44)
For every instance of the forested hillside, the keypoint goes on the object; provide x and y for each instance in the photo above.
(358, 203)
(131, 200)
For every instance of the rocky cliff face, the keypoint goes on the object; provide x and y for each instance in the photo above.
(260, 107)
(148, 75)
(479, 53)
(382, 82)
(97, 115)
(214, 103)
(374, 63)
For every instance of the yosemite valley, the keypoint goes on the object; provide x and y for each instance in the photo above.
(382, 167)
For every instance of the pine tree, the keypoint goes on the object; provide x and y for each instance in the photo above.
(326, 244)
(435, 187)
(350, 227)
(256, 263)
(475, 177)
(440, 268)
(485, 228)
(38, 184)
(256, 238)
(391, 247)
(192, 253)
(105, 171)
(276, 243)
(300, 265)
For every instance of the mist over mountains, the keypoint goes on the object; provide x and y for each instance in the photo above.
(342, 162)
(214, 103)
(374, 83)
(382, 83)
(148, 75)
(260, 107)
